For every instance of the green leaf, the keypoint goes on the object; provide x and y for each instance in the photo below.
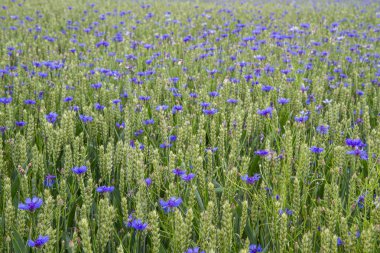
(199, 199)
(19, 245)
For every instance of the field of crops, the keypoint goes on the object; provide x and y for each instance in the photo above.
(174, 126)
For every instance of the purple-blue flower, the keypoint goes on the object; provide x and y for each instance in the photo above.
(316, 150)
(193, 95)
(267, 88)
(120, 125)
(79, 170)
(178, 172)
(138, 224)
(301, 119)
(96, 86)
(262, 152)
(211, 111)
(68, 99)
(169, 205)
(148, 122)
(194, 250)
(188, 177)
(283, 101)
(165, 145)
(172, 138)
(5, 100)
(144, 98)
(29, 102)
(31, 204)
(177, 108)
(232, 101)
(205, 104)
(51, 117)
(39, 242)
(85, 118)
(323, 129)
(355, 143)
(20, 123)
(253, 248)
(358, 153)
(99, 107)
(104, 189)
(213, 94)
(162, 107)
(148, 181)
(49, 180)
(251, 180)
(265, 112)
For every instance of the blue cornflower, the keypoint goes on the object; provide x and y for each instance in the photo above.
(177, 108)
(74, 108)
(188, 177)
(3, 129)
(139, 132)
(267, 88)
(144, 98)
(283, 101)
(265, 112)
(262, 152)
(39, 242)
(148, 181)
(103, 189)
(213, 94)
(304, 89)
(120, 125)
(166, 145)
(124, 95)
(172, 138)
(29, 102)
(323, 129)
(193, 95)
(85, 118)
(68, 99)
(213, 150)
(251, 180)
(205, 104)
(170, 204)
(178, 172)
(194, 250)
(99, 107)
(49, 180)
(232, 101)
(20, 123)
(360, 201)
(162, 107)
(148, 122)
(253, 248)
(355, 143)
(358, 153)
(31, 204)
(138, 224)
(116, 101)
(79, 170)
(5, 100)
(316, 150)
(96, 86)
(287, 211)
(51, 117)
(211, 111)
(339, 241)
(360, 92)
(301, 119)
